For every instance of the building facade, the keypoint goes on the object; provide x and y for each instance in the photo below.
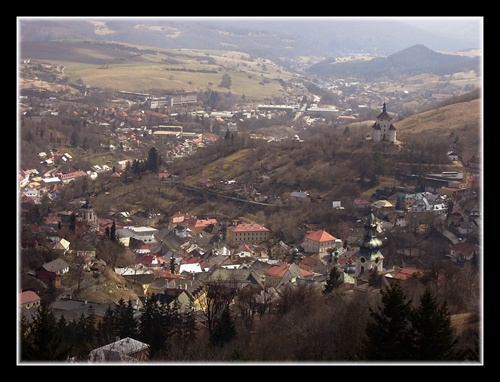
(383, 129)
(319, 241)
(249, 233)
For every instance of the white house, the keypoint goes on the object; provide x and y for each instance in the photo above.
(191, 268)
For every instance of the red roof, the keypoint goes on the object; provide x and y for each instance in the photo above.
(464, 248)
(167, 275)
(27, 297)
(279, 271)
(200, 223)
(406, 273)
(244, 248)
(150, 260)
(189, 259)
(321, 236)
(309, 261)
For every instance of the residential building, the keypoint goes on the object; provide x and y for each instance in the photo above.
(29, 300)
(319, 241)
(249, 233)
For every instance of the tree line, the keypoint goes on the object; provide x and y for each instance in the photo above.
(303, 324)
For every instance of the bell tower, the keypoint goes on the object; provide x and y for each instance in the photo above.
(88, 215)
(369, 255)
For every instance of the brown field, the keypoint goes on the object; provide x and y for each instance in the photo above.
(224, 168)
(442, 121)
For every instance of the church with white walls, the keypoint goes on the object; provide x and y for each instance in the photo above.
(383, 129)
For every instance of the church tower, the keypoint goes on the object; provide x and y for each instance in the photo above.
(369, 255)
(88, 215)
(383, 129)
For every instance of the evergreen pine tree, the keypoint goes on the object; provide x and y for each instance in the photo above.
(154, 328)
(112, 232)
(105, 328)
(125, 325)
(172, 265)
(224, 330)
(432, 334)
(186, 331)
(42, 341)
(153, 162)
(388, 334)
(72, 222)
(333, 282)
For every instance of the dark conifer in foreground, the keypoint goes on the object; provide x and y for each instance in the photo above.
(388, 334)
(432, 335)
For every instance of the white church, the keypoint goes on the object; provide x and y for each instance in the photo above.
(383, 129)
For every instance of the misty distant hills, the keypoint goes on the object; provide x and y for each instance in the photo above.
(412, 61)
(279, 39)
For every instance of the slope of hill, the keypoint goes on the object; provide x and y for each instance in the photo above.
(302, 166)
(464, 117)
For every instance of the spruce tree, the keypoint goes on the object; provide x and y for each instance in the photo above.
(42, 341)
(172, 265)
(333, 282)
(224, 330)
(388, 333)
(154, 328)
(432, 334)
(105, 328)
(153, 162)
(186, 330)
(124, 323)
(112, 232)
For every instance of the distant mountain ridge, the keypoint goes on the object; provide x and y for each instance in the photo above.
(275, 38)
(411, 61)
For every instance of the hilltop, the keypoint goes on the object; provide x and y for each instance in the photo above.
(408, 62)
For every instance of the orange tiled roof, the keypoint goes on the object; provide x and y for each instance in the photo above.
(278, 271)
(406, 273)
(309, 260)
(321, 236)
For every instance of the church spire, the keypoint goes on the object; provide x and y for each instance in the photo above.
(369, 255)
(370, 241)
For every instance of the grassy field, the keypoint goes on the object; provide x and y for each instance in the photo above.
(442, 121)
(142, 77)
(425, 81)
(141, 69)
